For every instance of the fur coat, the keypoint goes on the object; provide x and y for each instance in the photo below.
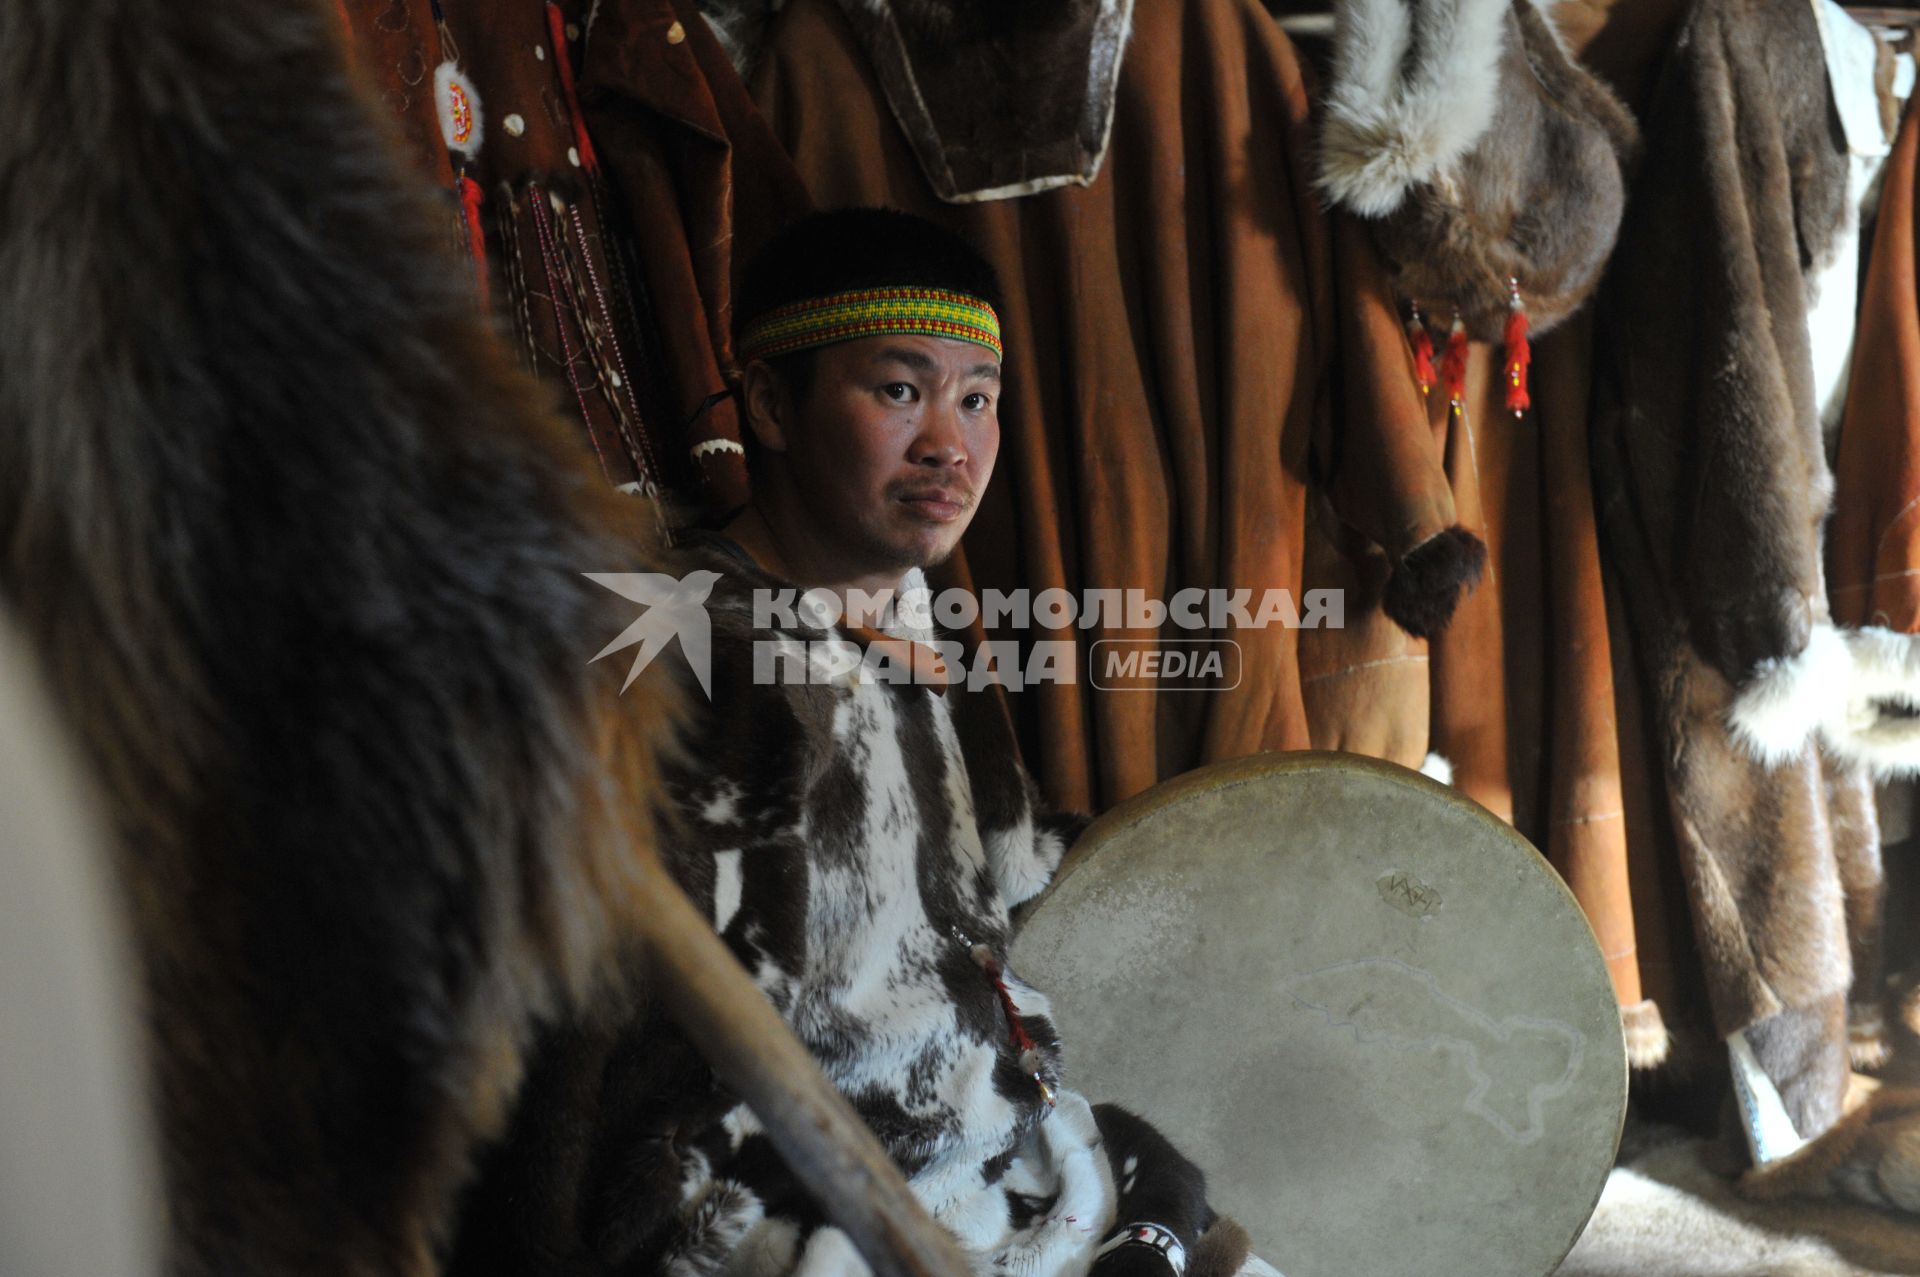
(859, 845)
(1711, 488)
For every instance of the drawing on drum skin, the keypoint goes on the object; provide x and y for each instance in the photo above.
(1515, 1066)
(1409, 895)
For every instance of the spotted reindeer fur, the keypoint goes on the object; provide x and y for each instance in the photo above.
(850, 842)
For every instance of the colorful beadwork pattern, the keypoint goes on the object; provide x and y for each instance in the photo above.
(870, 312)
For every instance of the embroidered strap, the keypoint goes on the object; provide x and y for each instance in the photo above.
(1152, 1236)
(870, 312)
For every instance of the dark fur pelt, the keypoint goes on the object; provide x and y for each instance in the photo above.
(1156, 1185)
(1426, 585)
(1001, 98)
(299, 551)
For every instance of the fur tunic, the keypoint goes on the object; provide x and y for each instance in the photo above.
(853, 843)
(1711, 486)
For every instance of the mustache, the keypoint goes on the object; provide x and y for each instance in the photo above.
(959, 494)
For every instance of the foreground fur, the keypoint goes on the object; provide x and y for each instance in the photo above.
(299, 552)
(1670, 1210)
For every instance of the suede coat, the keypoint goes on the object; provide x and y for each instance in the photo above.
(526, 206)
(1175, 357)
(1534, 696)
(1522, 704)
(1873, 543)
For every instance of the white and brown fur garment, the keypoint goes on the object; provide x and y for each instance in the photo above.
(852, 842)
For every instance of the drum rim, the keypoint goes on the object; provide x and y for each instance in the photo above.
(1251, 767)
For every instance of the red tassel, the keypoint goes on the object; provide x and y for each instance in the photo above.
(1422, 341)
(1519, 354)
(557, 30)
(1453, 364)
(470, 200)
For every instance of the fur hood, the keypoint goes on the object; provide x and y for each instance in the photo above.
(1479, 151)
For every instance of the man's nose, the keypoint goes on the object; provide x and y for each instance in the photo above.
(941, 442)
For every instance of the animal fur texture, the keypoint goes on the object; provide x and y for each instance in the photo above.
(1711, 488)
(1427, 584)
(1480, 151)
(1413, 88)
(1854, 690)
(299, 551)
(998, 98)
(1670, 1210)
(856, 843)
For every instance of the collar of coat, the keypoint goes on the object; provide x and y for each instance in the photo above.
(915, 648)
(998, 101)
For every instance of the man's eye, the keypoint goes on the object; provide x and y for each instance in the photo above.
(899, 391)
(977, 402)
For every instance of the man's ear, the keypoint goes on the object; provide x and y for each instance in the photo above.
(770, 407)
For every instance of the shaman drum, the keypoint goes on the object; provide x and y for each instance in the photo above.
(1366, 1007)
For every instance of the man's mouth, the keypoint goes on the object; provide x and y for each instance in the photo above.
(939, 505)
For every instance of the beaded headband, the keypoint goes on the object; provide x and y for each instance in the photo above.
(870, 312)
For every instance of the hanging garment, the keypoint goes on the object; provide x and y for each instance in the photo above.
(1533, 691)
(616, 287)
(698, 173)
(1176, 352)
(1711, 486)
(1488, 166)
(1873, 541)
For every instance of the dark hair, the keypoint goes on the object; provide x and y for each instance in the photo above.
(836, 250)
(841, 249)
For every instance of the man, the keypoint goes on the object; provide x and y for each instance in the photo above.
(859, 829)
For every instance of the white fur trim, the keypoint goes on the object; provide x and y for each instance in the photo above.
(1860, 727)
(1763, 1116)
(1394, 123)
(728, 884)
(913, 611)
(1851, 686)
(1788, 698)
(462, 133)
(1438, 767)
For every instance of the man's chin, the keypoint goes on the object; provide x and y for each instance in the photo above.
(924, 546)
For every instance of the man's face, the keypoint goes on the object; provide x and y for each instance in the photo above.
(893, 445)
